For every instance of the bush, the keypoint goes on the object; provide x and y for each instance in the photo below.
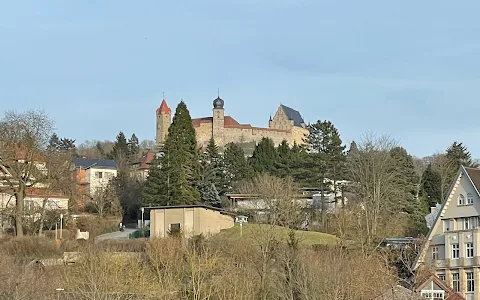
(31, 248)
(97, 226)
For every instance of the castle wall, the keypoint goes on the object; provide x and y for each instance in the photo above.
(241, 135)
(204, 133)
(298, 135)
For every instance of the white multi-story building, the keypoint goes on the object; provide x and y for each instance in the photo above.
(452, 248)
(94, 175)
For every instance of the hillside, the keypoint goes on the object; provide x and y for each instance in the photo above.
(251, 231)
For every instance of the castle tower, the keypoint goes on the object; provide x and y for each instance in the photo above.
(164, 114)
(218, 123)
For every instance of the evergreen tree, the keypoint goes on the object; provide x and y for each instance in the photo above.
(459, 153)
(209, 195)
(236, 165)
(53, 143)
(327, 160)
(213, 168)
(264, 157)
(327, 152)
(405, 196)
(63, 144)
(300, 162)
(120, 151)
(155, 189)
(430, 187)
(283, 165)
(133, 148)
(181, 162)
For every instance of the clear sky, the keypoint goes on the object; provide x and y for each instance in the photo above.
(410, 69)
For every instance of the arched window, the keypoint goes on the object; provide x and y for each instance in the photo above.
(461, 199)
(469, 198)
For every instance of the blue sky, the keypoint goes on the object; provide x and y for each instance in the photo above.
(409, 69)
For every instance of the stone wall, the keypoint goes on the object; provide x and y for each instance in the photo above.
(298, 135)
(280, 121)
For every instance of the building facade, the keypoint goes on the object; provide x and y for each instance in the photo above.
(189, 220)
(93, 175)
(452, 248)
(287, 124)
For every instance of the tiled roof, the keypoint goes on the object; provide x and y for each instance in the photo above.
(145, 160)
(86, 163)
(474, 174)
(164, 108)
(230, 122)
(293, 115)
(44, 193)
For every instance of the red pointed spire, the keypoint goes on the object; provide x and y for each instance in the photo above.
(164, 108)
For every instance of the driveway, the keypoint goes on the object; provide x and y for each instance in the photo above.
(118, 235)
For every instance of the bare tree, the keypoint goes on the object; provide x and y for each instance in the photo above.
(278, 197)
(23, 138)
(372, 170)
(445, 166)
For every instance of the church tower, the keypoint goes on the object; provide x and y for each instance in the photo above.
(218, 122)
(164, 115)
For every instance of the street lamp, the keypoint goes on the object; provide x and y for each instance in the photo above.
(61, 226)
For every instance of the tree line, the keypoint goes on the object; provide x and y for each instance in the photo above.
(383, 178)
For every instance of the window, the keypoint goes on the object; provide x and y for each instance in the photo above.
(174, 229)
(441, 277)
(455, 251)
(446, 225)
(461, 199)
(470, 282)
(469, 247)
(456, 282)
(469, 198)
(466, 223)
(99, 175)
(434, 253)
(433, 295)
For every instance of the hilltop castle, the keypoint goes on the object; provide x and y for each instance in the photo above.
(287, 124)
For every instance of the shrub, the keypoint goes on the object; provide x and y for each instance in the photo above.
(31, 248)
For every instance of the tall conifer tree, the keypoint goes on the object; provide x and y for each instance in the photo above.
(264, 157)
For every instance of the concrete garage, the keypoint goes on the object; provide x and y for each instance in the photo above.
(190, 220)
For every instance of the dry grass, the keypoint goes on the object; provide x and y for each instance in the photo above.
(305, 237)
(220, 268)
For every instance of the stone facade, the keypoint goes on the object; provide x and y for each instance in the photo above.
(287, 124)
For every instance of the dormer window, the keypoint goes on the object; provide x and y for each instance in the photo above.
(469, 198)
(461, 199)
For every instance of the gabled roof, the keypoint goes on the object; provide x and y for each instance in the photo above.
(87, 163)
(474, 177)
(398, 292)
(293, 115)
(145, 160)
(449, 292)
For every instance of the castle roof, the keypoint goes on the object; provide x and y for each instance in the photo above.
(293, 115)
(230, 122)
(164, 108)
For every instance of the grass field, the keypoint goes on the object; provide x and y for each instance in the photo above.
(251, 230)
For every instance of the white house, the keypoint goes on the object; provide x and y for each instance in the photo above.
(452, 248)
(94, 174)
